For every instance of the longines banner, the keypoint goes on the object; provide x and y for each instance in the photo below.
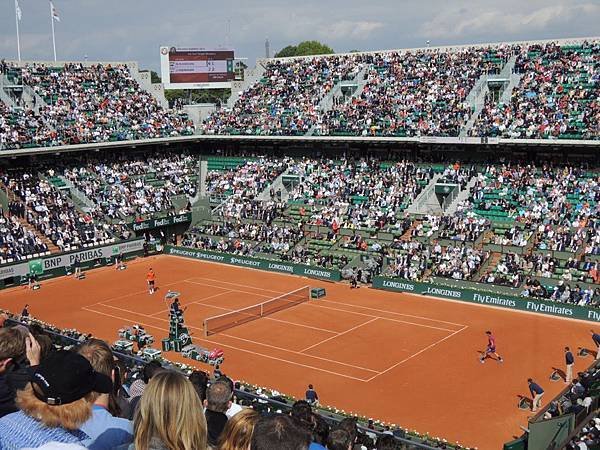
(262, 264)
(50, 263)
(492, 299)
(157, 223)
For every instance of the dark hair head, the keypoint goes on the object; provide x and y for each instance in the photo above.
(200, 381)
(386, 442)
(310, 386)
(320, 429)
(339, 440)
(488, 332)
(150, 369)
(529, 380)
(303, 415)
(279, 431)
(567, 349)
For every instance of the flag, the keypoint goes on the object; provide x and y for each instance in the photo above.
(18, 10)
(54, 12)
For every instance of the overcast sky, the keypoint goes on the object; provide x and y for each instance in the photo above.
(134, 29)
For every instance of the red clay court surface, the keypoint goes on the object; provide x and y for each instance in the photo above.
(401, 358)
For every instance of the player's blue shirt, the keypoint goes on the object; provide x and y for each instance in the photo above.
(569, 358)
(596, 338)
(535, 388)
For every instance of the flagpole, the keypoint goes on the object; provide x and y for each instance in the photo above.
(52, 21)
(18, 37)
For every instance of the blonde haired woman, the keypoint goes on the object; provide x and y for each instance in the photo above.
(237, 434)
(169, 415)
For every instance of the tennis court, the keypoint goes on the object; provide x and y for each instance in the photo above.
(405, 359)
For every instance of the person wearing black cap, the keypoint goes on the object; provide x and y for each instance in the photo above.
(55, 403)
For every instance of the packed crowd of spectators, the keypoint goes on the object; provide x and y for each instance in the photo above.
(50, 211)
(421, 93)
(82, 104)
(557, 95)
(134, 186)
(458, 262)
(285, 101)
(356, 194)
(16, 241)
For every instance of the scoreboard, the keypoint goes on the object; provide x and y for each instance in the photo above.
(196, 68)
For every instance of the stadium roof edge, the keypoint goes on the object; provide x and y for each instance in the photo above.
(458, 47)
(49, 63)
(298, 139)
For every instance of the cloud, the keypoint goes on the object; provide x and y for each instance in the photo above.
(346, 29)
(511, 21)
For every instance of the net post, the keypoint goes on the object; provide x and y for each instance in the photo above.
(205, 325)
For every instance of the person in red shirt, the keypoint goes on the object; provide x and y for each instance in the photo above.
(151, 278)
(491, 348)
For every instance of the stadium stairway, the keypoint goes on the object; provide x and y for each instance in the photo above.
(251, 76)
(4, 97)
(476, 97)
(276, 185)
(426, 202)
(462, 196)
(78, 196)
(326, 103)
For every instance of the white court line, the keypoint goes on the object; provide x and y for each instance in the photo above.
(317, 305)
(239, 285)
(241, 349)
(135, 293)
(340, 334)
(232, 290)
(190, 303)
(379, 317)
(417, 354)
(354, 366)
(393, 312)
(243, 339)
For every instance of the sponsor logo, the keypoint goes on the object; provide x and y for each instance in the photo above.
(281, 267)
(443, 292)
(182, 218)
(6, 272)
(141, 226)
(197, 255)
(551, 309)
(398, 285)
(245, 262)
(490, 300)
(593, 315)
(317, 273)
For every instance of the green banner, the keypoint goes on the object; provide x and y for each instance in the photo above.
(36, 266)
(492, 299)
(256, 263)
(164, 222)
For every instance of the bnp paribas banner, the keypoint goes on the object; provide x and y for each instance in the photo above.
(43, 265)
(256, 263)
(491, 299)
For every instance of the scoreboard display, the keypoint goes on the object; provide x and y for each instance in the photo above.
(196, 68)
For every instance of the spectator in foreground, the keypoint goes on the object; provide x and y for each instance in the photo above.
(339, 440)
(278, 431)
(237, 434)
(200, 381)
(104, 429)
(218, 400)
(234, 408)
(55, 404)
(18, 352)
(169, 416)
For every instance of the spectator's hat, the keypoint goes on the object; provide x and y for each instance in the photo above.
(65, 377)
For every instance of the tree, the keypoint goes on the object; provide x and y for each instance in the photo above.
(305, 48)
(154, 77)
(286, 52)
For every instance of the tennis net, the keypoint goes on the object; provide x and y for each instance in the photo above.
(216, 324)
